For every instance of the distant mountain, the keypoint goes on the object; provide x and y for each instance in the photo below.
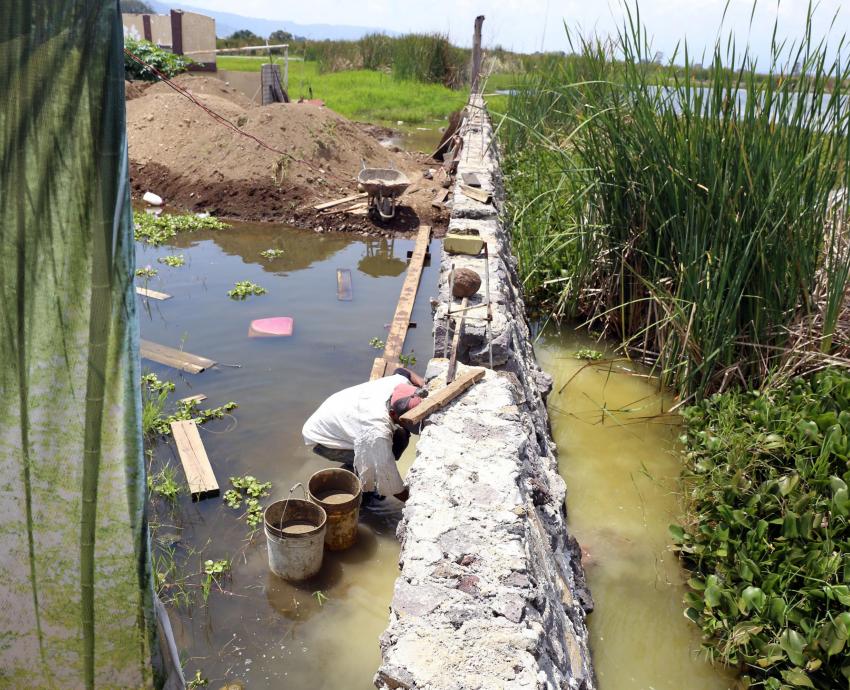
(226, 23)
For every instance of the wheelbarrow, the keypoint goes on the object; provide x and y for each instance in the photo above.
(384, 186)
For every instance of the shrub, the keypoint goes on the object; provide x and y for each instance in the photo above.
(164, 61)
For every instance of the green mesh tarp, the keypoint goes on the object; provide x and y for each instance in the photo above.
(75, 587)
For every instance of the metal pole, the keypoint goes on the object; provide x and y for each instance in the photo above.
(286, 69)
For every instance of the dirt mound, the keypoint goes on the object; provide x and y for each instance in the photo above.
(134, 89)
(178, 151)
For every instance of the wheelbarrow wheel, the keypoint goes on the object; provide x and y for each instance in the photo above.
(386, 207)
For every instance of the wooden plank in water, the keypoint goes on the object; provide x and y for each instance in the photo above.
(152, 294)
(379, 368)
(343, 285)
(174, 358)
(401, 320)
(200, 397)
(337, 202)
(193, 456)
(442, 397)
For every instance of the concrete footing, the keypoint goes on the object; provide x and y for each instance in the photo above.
(491, 592)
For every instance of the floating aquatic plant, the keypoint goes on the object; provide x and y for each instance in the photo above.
(158, 229)
(174, 260)
(245, 288)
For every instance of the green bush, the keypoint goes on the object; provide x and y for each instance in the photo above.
(167, 63)
(768, 534)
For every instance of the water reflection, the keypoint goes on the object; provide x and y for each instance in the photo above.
(380, 259)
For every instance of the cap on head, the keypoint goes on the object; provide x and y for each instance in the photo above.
(404, 398)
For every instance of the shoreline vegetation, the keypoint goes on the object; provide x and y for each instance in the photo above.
(707, 234)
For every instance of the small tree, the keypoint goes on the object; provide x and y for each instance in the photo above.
(280, 36)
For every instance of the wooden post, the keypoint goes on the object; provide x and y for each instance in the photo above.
(177, 32)
(476, 55)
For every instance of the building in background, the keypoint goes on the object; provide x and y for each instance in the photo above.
(183, 33)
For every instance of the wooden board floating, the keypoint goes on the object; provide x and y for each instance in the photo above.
(152, 294)
(193, 456)
(344, 291)
(401, 320)
(338, 202)
(174, 358)
(442, 397)
(200, 397)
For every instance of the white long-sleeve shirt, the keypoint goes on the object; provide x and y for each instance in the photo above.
(358, 419)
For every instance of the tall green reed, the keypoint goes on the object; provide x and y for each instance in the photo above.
(692, 220)
(428, 58)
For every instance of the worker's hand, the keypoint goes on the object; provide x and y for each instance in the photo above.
(404, 495)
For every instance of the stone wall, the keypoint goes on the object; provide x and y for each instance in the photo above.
(491, 592)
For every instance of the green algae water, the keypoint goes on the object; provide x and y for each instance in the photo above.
(258, 630)
(616, 449)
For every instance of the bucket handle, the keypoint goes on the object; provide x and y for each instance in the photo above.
(286, 502)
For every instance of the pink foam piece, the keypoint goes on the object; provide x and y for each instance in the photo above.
(271, 327)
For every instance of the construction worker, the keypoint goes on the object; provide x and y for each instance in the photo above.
(359, 426)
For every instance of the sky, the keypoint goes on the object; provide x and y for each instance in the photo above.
(531, 25)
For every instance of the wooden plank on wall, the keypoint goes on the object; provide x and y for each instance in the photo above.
(174, 358)
(344, 290)
(442, 397)
(478, 194)
(193, 456)
(152, 294)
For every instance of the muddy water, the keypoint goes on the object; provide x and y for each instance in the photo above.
(423, 138)
(260, 630)
(616, 453)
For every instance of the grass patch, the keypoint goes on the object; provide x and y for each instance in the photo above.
(363, 95)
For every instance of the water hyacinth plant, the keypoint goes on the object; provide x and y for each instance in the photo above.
(768, 534)
(697, 223)
(244, 289)
(158, 229)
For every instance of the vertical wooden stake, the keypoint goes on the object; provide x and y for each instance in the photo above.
(476, 55)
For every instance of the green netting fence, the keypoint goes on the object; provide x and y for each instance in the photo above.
(76, 596)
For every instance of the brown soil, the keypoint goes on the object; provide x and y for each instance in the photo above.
(179, 152)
